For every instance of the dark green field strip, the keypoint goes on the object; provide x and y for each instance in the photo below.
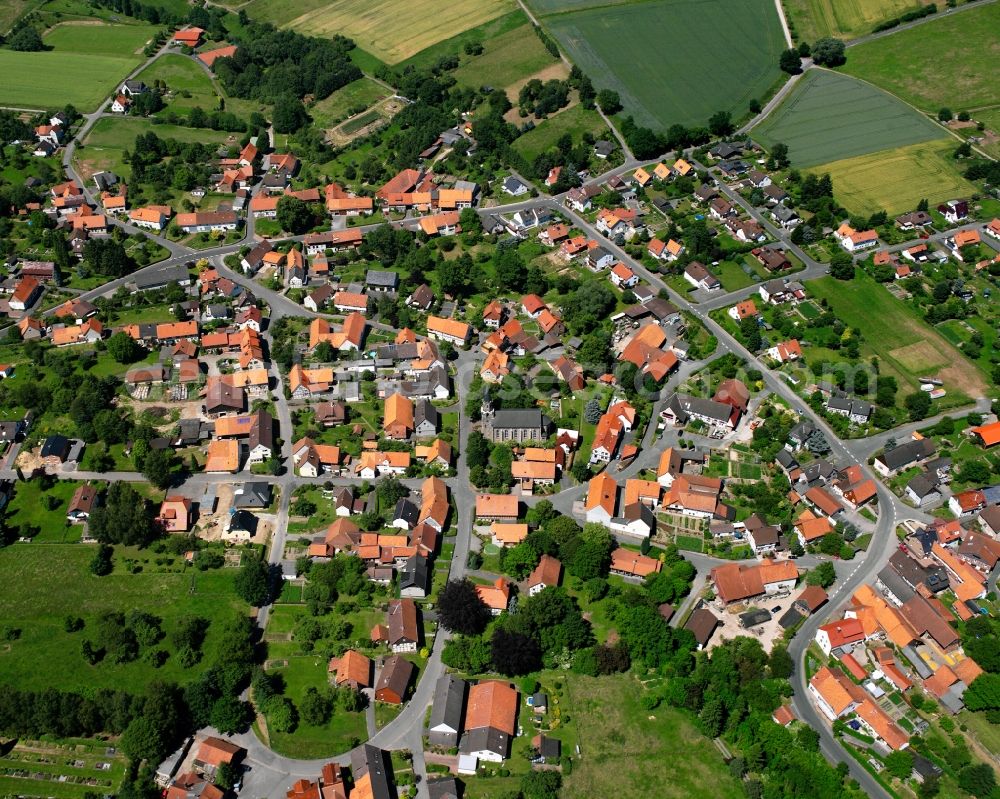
(829, 117)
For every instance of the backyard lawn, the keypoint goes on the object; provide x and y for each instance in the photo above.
(30, 507)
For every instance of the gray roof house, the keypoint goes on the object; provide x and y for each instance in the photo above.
(903, 455)
(414, 577)
(425, 418)
(381, 280)
(447, 711)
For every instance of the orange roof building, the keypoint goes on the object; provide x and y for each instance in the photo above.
(398, 421)
(495, 596)
(490, 720)
(352, 669)
(497, 507)
(987, 435)
(223, 455)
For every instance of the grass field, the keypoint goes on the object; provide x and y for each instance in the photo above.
(675, 61)
(342, 103)
(392, 30)
(829, 117)
(111, 136)
(119, 41)
(897, 179)
(44, 582)
(631, 753)
(906, 346)
(182, 77)
(575, 121)
(103, 53)
(11, 10)
(845, 19)
(962, 73)
(506, 59)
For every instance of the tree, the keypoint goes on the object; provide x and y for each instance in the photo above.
(917, 405)
(829, 52)
(944, 115)
(294, 215)
(156, 468)
(226, 775)
(390, 491)
(593, 556)
(253, 582)
(750, 331)
(842, 266)
(477, 449)
(977, 779)
(780, 663)
(281, 714)
(101, 564)
(541, 785)
(984, 693)
(609, 101)
(779, 155)
(461, 610)
(25, 39)
(316, 706)
(124, 349)
(124, 518)
(289, 114)
(592, 411)
(143, 740)
(231, 715)
(790, 62)
(514, 653)
(899, 764)
(721, 123)
(823, 575)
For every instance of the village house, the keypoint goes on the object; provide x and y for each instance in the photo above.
(853, 240)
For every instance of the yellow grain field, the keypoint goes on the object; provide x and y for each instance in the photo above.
(394, 30)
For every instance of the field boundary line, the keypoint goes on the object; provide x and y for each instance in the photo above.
(870, 37)
(784, 23)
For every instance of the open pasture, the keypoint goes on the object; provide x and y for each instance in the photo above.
(829, 117)
(676, 61)
(44, 582)
(907, 347)
(85, 64)
(947, 62)
(509, 58)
